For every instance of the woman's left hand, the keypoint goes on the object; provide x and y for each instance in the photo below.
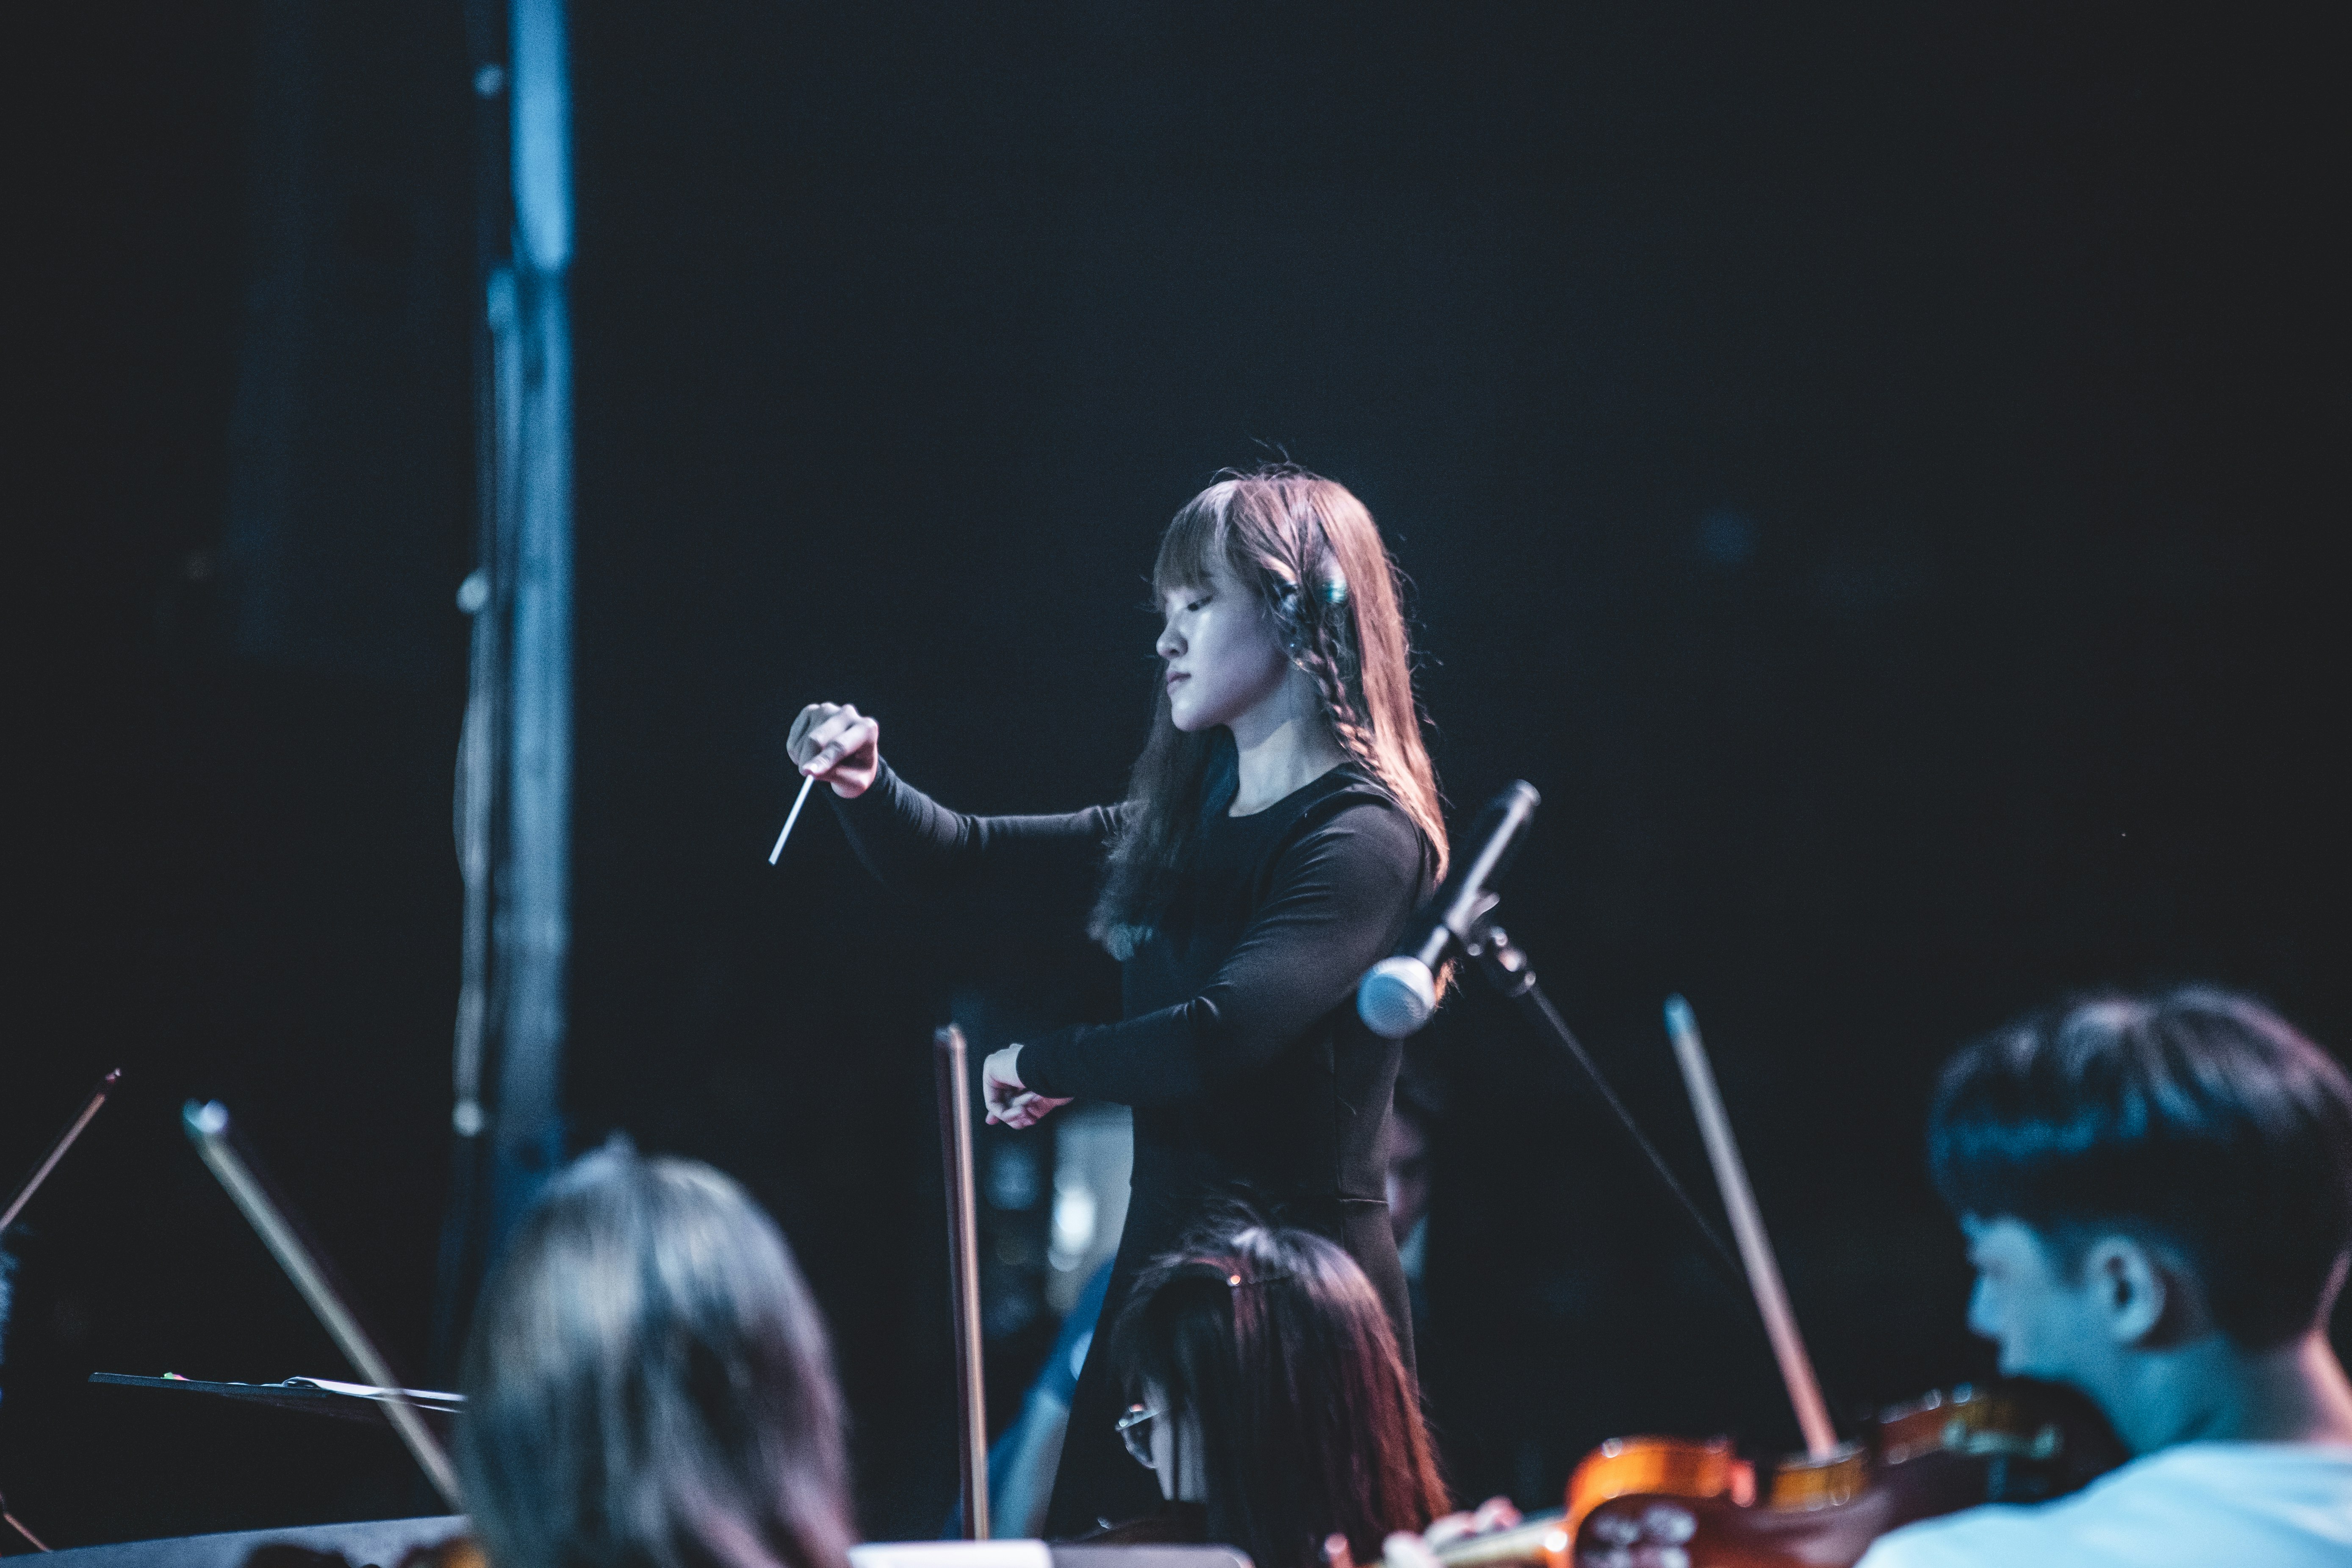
(1008, 1101)
(1406, 1550)
(1495, 1514)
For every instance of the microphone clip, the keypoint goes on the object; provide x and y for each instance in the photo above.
(1399, 993)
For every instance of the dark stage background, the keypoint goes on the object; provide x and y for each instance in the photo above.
(1880, 473)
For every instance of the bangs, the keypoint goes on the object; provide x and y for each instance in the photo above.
(1195, 540)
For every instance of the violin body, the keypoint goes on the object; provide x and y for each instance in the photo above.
(1648, 1502)
(1671, 1502)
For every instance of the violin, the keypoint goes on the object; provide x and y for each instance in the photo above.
(1647, 1502)
(1642, 1502)
(1667, 1502)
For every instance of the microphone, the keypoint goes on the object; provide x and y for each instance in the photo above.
(1397, 996)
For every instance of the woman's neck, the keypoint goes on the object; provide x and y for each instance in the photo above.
(1283, 744)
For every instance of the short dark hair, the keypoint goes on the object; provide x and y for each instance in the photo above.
(1273, 1343)
(647, 1383)
(2195, 1117)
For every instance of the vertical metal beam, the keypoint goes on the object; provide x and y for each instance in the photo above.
(514, 770)
(533, 928)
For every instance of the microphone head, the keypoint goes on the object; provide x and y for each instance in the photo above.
(1396, 997)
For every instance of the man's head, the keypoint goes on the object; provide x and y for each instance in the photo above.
(2138, 1172)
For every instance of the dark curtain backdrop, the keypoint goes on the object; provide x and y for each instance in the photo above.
(1879, 473)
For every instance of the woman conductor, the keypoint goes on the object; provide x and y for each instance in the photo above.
(1280, 827)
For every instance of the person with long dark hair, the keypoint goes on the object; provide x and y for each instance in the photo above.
(648, 1381)
(1271, 1400)
(1280, 827)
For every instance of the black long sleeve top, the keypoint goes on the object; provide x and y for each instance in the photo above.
(1239, 1048)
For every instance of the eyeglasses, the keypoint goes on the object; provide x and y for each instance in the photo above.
(1135, 1431)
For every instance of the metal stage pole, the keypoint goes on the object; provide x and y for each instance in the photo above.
(514, 765)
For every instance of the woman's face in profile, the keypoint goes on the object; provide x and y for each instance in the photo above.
(1223, 658)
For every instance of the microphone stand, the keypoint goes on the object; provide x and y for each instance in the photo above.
(1506, 965)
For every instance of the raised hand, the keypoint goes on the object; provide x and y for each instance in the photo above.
(835, 742)
(1007, 1100)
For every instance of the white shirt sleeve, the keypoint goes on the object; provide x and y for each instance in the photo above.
(2200, 1505)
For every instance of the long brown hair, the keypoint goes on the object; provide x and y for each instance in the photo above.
(1272, 1347)
(1313, 556)
(648, 1381)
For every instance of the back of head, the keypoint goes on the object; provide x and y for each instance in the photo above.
(648, 1386)
(1273, 1346)
(2195, 1118)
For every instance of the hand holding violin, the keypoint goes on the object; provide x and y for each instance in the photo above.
(1495, 1513)
(1405, 1550)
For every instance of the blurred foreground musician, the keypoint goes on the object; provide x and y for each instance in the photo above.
(647, 1381)
(2157, 1197)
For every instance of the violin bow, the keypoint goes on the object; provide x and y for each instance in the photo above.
(207, 1129)
(57, 1150)
(1747, 1230)
(949, 1058)
(17, 1207)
